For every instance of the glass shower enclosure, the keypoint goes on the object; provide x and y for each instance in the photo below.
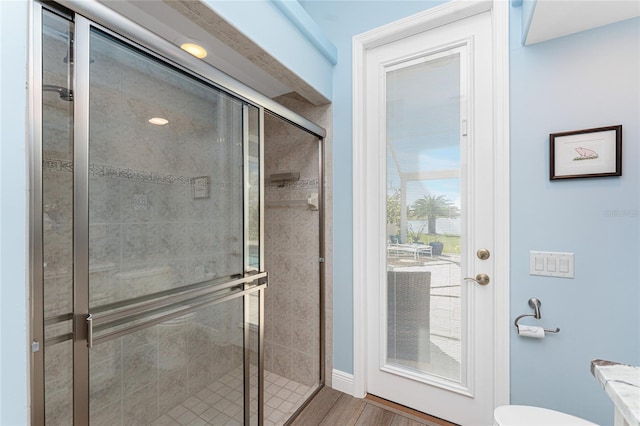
(147, 237)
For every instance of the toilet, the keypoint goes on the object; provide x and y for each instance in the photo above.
(524, 415)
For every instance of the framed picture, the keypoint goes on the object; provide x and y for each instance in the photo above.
(586, 153)
(200, 187)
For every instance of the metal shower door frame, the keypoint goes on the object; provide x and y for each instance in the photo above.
(84, 320)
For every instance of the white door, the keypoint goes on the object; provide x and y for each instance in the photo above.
(429, 135)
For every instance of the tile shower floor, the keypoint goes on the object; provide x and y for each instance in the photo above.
(221, 402)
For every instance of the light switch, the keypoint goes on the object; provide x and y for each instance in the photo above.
(551, 264)
(564, 265)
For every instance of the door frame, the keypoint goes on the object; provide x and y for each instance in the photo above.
(440, 15)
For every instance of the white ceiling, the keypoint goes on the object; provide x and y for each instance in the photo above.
(169, 24)
(557, 18)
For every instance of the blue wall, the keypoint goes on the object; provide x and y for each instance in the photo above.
(13, 184)
(580, 81)
(272, 25)
(341, 20)
(590, 79)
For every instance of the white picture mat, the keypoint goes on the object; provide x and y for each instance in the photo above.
(568, 151)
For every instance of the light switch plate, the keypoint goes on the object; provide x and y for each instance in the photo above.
(551, 264)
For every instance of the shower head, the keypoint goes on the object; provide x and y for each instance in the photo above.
(65, 94)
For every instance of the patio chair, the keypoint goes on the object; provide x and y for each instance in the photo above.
(408, 316)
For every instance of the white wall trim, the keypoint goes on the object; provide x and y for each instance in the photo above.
(359, 227)
(431, 18)
(502, 262)
(342, 382)
(446, 13)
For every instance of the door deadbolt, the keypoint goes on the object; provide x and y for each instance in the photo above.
(483, 254)
(482, 279)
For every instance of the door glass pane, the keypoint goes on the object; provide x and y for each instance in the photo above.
(187, 370)
(57, 220)
(424, 210)
(252, 252)
(165, 177)
(166, 210)
(252, 259)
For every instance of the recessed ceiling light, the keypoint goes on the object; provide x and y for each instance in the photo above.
(195, 49)
(158, 121)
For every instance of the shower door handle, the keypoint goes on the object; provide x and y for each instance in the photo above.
(90, 331)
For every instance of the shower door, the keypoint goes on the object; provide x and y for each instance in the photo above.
(148, 281)
(294, 305)
(168, 266)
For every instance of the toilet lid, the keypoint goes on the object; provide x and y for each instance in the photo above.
(523, 415)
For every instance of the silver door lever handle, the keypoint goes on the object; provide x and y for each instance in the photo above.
(482, 279)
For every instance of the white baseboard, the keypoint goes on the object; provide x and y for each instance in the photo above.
(342, 381)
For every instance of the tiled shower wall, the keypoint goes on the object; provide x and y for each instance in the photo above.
(321, 115)
(292, 238)
(165, 201)
(292, 303)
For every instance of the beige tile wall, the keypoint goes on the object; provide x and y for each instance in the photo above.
(294, 235)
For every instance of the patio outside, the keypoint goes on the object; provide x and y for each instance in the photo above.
(434, 348)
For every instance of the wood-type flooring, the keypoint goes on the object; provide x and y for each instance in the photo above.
(333, 408)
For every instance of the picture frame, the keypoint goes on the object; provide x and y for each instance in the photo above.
(586, 153)
(200, 187)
